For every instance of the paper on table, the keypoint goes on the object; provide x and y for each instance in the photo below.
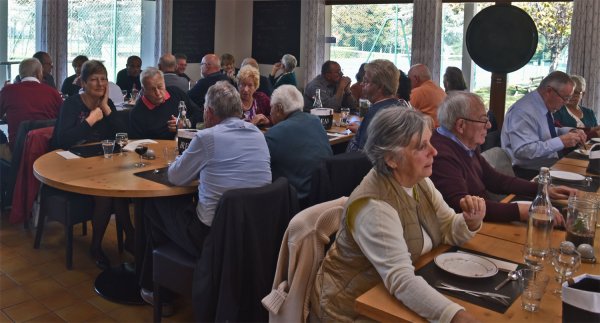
(501, 264)
(67, 154)
(132, 144)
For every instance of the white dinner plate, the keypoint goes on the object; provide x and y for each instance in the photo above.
(466, 265)
(582, 152)
(595, 139)
(566, 176)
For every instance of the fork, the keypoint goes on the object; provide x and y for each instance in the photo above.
(497, 297)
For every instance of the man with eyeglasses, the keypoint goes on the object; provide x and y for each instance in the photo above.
(210, 68)
(529, 135)
(47, 66)
(334, 86)
(460, 170)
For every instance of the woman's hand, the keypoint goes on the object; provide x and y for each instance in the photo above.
(561, 192)
(95, 116)
(463, 316)
(104, 103)
(276, 67)
(473, 211)
(260, 119)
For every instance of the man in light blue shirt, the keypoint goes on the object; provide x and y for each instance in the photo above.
(528, 133)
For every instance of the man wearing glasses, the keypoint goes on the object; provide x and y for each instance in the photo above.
(528, 133)
(47, 66)
(460, 170)
(334, 86)
(210, 68)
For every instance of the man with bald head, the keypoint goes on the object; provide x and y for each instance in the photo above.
(210, 68)
(168, 65)
(264, 84)
(425, 96)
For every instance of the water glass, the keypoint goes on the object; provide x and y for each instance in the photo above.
(107, 147)
(533, 284)
(344, 114)
(169, 153)
(121, 140)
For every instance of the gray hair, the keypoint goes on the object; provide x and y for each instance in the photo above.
(150, 72)
(30, 67)
(580, 83)
(224, 100)
(557, 80)
(167, 62)
(288, 97)
(390, 131)
(385, 74)
(289, 62)
(456, 105)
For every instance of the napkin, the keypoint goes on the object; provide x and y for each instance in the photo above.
(132, 144)
(67, 154)
(501, 264)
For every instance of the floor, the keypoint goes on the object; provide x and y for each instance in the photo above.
(35, 285)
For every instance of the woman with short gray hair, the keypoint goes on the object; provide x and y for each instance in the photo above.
(286, 69)
(392, 218)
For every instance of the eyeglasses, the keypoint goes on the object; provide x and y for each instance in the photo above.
(484, 121)
(565, 99)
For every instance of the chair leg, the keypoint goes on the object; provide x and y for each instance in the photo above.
(119, 235)
(40, 229)
(69, 251)
(157, 305)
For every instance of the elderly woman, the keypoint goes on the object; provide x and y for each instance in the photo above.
(228, 66)
(392, 218)
(89, 117)
(574, 115)
(256, 105)
(286, 69)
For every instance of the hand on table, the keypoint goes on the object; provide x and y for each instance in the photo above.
(473, 211)
(260, 119)
(573, 138)
(561, 192)
(559, 220)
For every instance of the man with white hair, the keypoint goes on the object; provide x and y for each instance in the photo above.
(297, 141)
(168, 65)
(425, 95)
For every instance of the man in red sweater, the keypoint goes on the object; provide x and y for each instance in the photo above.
(459, 169)
(28, 100)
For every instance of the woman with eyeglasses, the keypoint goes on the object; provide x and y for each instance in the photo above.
(572, 114)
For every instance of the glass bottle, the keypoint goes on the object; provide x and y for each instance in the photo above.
(317, 103)
(540, 224)
(134, 93)
(182, 121)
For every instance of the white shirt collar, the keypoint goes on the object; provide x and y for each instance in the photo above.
(30, 79)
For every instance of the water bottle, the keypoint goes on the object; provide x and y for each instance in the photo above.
(182, 121)
(317, 103)
(134, 93)
(540, 224)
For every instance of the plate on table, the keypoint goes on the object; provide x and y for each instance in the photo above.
(582, 152)
(566, 176)
(595, 139)
(466, 265)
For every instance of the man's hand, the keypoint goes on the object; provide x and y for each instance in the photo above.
(561, 192)
(473, 211)
(260, 119)
(344, 82)
(573, 138)
(172, 124)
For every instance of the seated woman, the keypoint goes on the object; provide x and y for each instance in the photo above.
(256, 105)
(88, 117)
(286, 69)
(392, 218)
(574, 115)
(454, 79)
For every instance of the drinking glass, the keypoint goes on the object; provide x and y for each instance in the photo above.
(140, 150)
(170, 153)
(565, 261)
(107, 148)
(533, 284)
(344, 113)
(121, 140)
(124, 92)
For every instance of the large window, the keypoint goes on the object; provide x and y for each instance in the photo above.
(107, 30)
(20, 40)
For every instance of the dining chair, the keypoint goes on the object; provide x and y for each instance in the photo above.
(238, 259)
(500, 160)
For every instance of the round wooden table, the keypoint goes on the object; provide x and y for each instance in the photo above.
(112, 177)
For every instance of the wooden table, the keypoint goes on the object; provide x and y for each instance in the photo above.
(505, 240)
(112, 177)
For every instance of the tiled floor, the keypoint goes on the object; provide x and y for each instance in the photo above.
(35, 285)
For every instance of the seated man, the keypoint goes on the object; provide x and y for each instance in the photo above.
(155, 115)
(129, 77)
(47, 65)
(210, 68)
(528, 133)
(27, 100)
(229, 153)
(182, 65)
(297, 141)
(71, 84)
(460, 170)
(168, 65)
(334, 86)
(425, 95)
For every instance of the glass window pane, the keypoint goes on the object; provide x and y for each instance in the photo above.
(21, 32)
(106, 30)
(367, 32)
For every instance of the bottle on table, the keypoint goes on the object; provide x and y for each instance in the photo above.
(317, 103)
(134, 94)
(540, 224)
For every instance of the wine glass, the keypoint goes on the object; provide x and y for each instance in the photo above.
(566, 261)
(140, 150)
(121, 140)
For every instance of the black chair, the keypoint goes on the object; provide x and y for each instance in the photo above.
(337, 176)
(238, 259)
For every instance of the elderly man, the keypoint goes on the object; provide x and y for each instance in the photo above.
(129, 77)
(210, 67)
(168, 65)
(425, 95)
(334, 86)
(297, 141)
(27, 100)
(460, 170)
(379, 85)
(154, 116)
(47, 65)
(229, 153)
(182, 65)
(264, 84)
(528, 133)
(71, 84)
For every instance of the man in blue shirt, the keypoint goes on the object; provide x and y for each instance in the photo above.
(228, 154)
(528, 133)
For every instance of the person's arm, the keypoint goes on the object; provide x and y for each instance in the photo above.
(378, 232)
(195, 94)
(70, 130)
(335, 101)
(525, 140)
(187, 167)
